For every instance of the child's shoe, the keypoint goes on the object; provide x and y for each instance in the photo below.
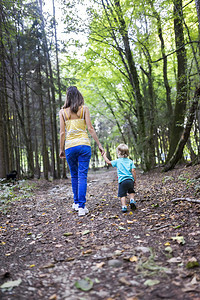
(133, 204)
(124, 208)
(82, 211)
(75, 206)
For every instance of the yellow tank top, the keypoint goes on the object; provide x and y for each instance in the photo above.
(76, 131)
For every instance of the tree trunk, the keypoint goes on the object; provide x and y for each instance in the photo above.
(150, 115)
(58, 80)
(134, 80)
(53, 170)
(193, 50)
(192, 153)
(2, 148)
(35, 139)
(57, 59)
(46, 51)
(179, 150)
(197, 2)
(43, 126)
(29, 140)
(2, 111)
(198, 126)
(181, 99)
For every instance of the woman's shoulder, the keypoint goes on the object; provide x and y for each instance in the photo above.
(62, 110)
(85, 108)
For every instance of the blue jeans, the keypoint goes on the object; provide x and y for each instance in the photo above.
(78, 159)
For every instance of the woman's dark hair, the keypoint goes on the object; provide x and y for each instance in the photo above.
(74, 99)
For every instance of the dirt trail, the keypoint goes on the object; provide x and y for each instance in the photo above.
(151, 253)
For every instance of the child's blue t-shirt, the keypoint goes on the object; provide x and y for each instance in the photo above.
(124, 166)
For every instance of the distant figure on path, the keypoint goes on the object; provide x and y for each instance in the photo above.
(75, 118)
(126, 175)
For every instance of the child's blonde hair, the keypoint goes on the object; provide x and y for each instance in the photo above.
(122, 150)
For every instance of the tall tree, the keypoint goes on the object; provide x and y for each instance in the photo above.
(2, 147)
(164, 57)
(52, 86)
(2, 95)
(181, 98)
(186, 133)
(197, 2)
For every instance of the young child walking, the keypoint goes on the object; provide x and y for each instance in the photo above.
(126, 175)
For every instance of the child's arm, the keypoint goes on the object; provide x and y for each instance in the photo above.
(134, 175)
(106, 159)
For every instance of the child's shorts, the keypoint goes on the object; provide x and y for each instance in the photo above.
(126, 186)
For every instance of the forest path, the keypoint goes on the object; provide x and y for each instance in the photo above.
(48, 252)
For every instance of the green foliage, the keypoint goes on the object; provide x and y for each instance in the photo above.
(102, 75)
(167, 178)
(94, 57)
(10, 193)
(149, 267)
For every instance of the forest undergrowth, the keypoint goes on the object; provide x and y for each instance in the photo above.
(48, 252)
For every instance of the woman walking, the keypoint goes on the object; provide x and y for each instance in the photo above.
(75, 118)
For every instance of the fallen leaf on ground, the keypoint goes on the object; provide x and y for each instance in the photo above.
(9, 285)
(179, 239)
(87, 251)
(192, 263)
(70, 259)
(121, 228)
(194, 280)
(53, 297)
(100, 265)
(124, 281)
(85, 284)
(67, 233)
(169, 249)
(85, 232)
(48, 266)
(133, 258)
(130, 222)
(118, 252)
(167, 244)
(58, 245)
(151, 282)
(175, 259)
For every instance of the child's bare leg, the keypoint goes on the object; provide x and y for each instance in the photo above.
(123, 201)
(132, 196)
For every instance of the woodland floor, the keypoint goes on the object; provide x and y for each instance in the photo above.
(151, 253)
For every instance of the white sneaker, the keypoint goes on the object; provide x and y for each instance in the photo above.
(75, 206)
(86, 210)
(82, 211)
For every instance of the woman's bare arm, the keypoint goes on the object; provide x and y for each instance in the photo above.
(62, 135)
